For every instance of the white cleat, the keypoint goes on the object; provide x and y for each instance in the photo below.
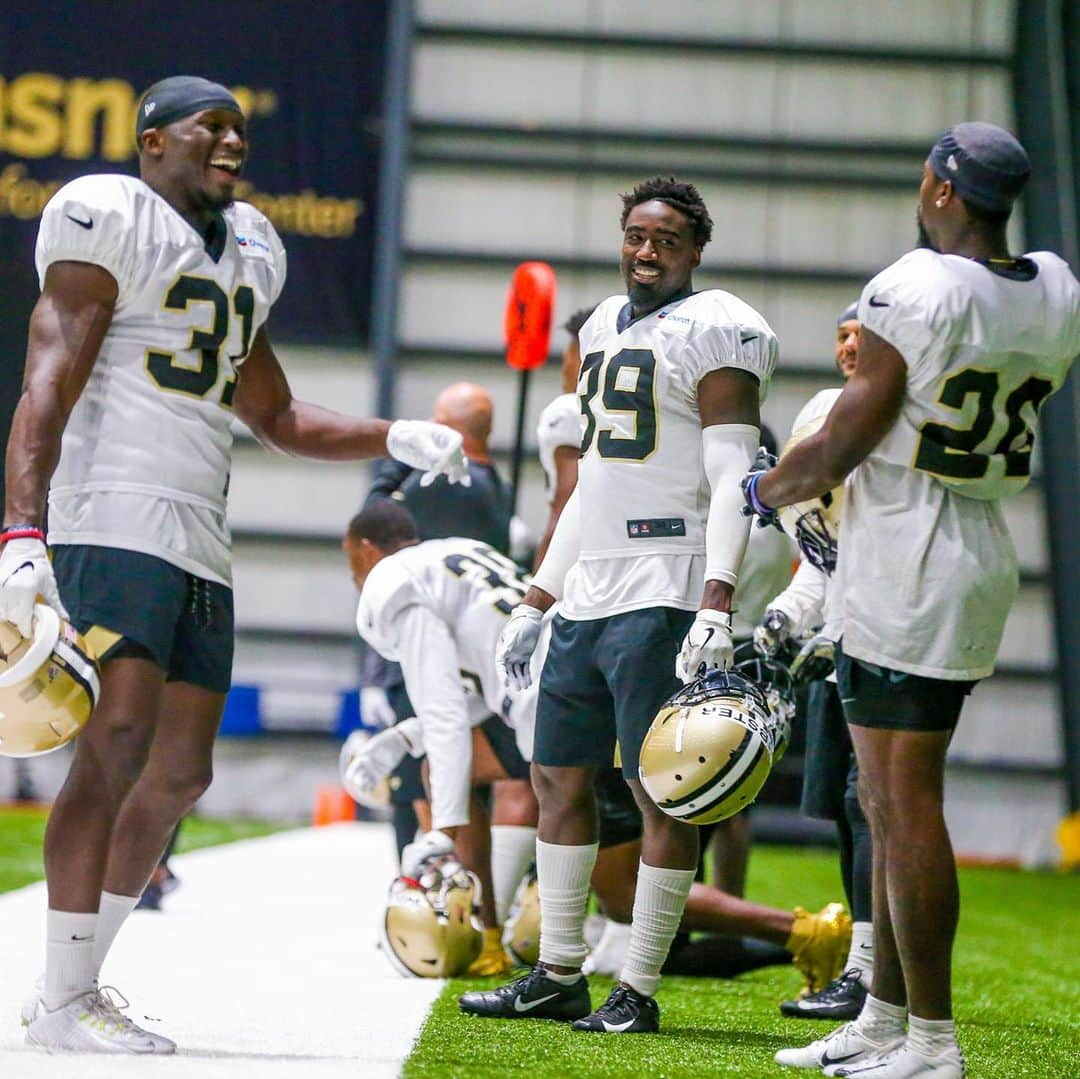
(905, 1063)
(610, 952)
(29, 1008)
(93, 1023)
(847, 1045)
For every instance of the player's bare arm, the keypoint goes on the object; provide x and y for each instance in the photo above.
(862, 416)
(264, 401)
(67, 327)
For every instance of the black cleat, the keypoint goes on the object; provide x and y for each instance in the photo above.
(625, 1011)
(535, 996)
(842, 998)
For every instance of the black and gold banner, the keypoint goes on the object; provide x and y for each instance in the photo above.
(309, 78)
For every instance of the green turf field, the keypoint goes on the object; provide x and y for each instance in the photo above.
(22, 832)
(1017, 996)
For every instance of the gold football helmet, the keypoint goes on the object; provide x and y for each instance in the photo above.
(710, 749)
(430, 928)
(521, 934)
(815, 523)
(48, 685)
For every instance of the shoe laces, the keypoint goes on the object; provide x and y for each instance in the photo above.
(619, 998)
(110, 1002)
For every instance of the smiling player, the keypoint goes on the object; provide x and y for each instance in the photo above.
(148, 337)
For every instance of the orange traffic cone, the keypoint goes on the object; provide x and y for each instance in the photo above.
(332, 804)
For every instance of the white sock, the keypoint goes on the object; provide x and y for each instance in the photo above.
(113, 910)
(513, 847)
(562, 873)
(69, 956)
(880, 1020)
(861, 955)
(931, 1037)
(658, 908)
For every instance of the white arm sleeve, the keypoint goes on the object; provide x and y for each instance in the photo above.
(803, 601)
(429, 663)
(728, 450)
(563, 550)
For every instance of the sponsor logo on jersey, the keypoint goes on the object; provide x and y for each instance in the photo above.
(252, 242)
(676, 318)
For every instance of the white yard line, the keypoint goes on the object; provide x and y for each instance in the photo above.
(263, 964)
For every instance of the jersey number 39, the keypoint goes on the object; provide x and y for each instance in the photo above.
(629, 379)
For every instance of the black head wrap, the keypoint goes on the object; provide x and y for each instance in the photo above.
(178, 96)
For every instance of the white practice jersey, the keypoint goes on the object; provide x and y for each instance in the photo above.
(560, 424)
(927, 571)
(437, 608)
(144, 463)
(641, 480)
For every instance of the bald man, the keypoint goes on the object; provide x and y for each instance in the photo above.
(481, 511)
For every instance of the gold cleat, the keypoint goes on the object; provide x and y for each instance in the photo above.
(819, 944)
(492, 959)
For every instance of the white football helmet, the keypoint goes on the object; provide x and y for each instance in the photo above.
(521, 934)
(48, 685)
(378, 798)
(710, 749)
(815, 523)
(430, 929)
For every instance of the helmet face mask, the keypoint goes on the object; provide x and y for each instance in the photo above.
(48, 685)
(711, 748)
(430, 929)
(815, 523)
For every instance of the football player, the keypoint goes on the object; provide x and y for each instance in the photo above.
(960, 344)
(148, 338)
(558, 432)
(830, 772)
(437, 608)
(670, 384)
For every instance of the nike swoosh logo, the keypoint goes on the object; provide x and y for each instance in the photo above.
(746, 338)
(87, 224)
(826, 1060)
(708, 637)
(527, 1006)
(81, 939)
(616, 1028)
(875, 302)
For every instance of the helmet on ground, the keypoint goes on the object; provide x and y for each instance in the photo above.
(814, 524)
(378, 798)
(48, 685)
(773, 677)
(521, 934)
(709, 749)
(430, 928)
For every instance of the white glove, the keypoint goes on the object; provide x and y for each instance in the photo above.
(364, 768)
(432, 447)
(707, 644)
(774, 630)
(375, 707)
(433, 844)
(26, 573)
(516, 644)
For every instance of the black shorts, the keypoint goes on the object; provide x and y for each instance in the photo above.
(181, 622)
(829, 768)
(603, 682)
(895, 700)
